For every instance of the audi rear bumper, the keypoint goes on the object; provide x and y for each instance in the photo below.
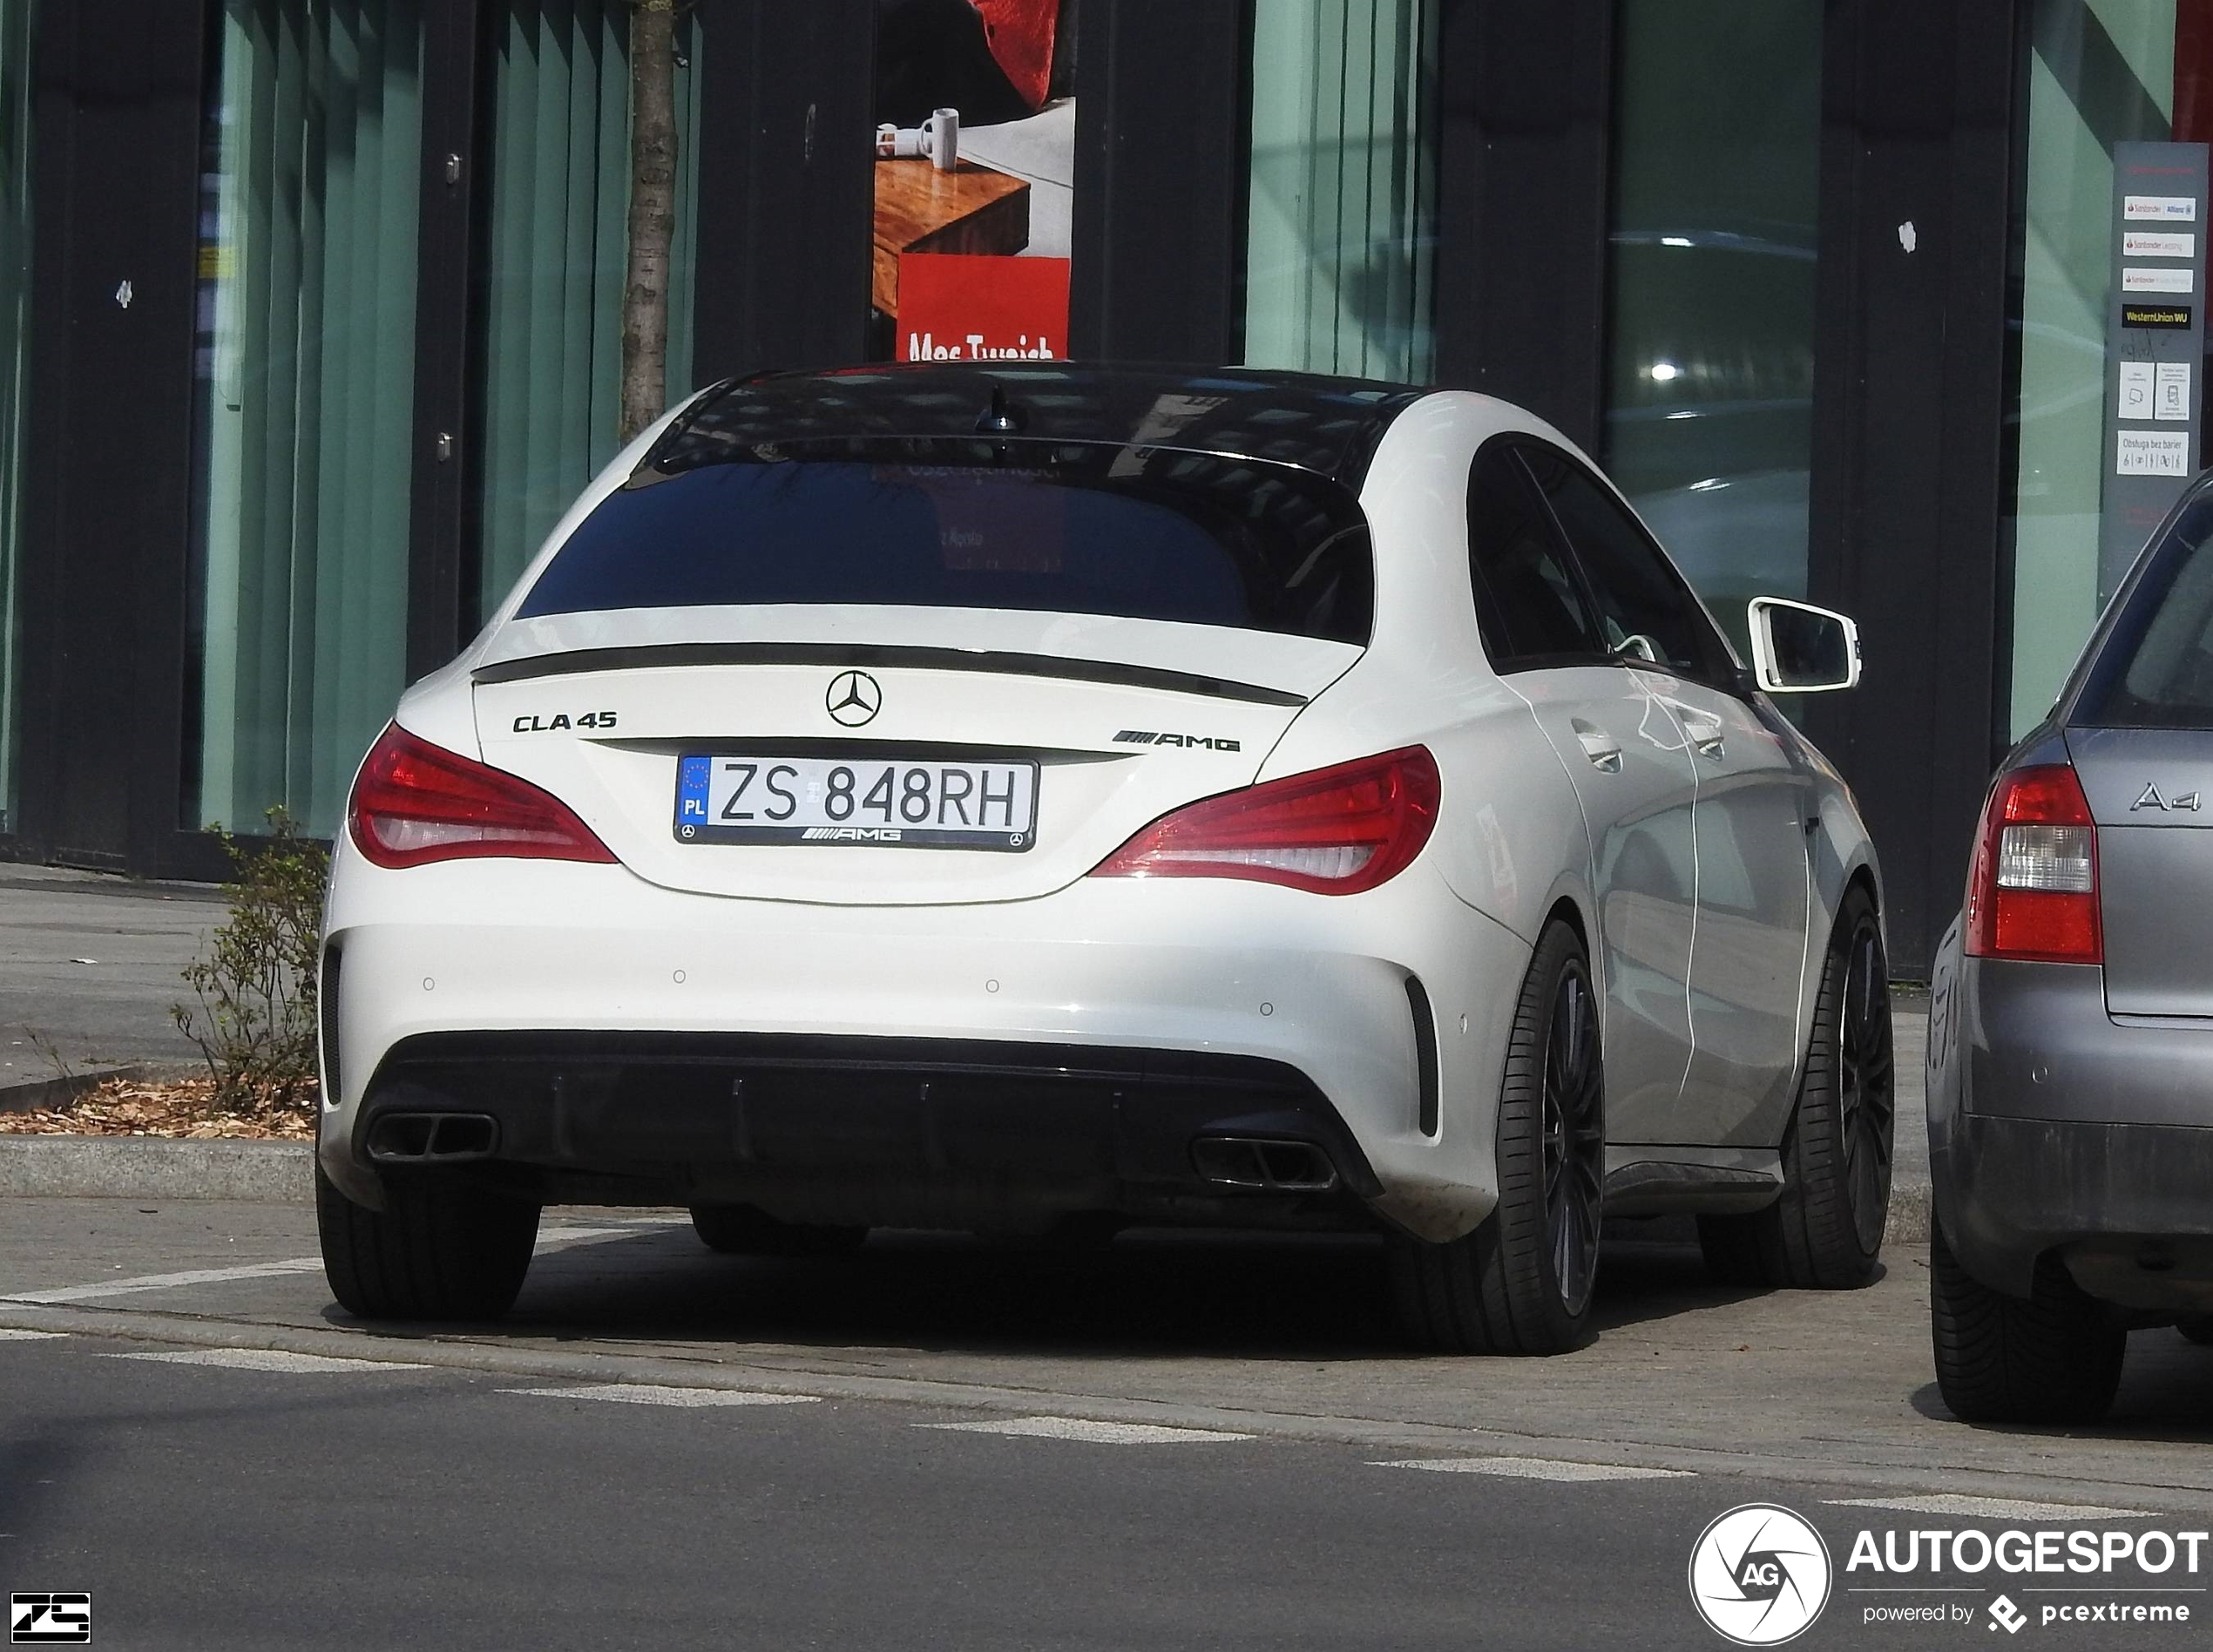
(2055, 1128)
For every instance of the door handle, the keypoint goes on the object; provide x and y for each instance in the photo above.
(1705, 734)
(1602, 750)
(1711, 746)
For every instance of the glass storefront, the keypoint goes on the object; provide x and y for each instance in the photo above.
(1341, 239)
(310, 205)
(306, 367)
(2099, 72)
(1709, 404)
(275, 531)
(557, 240)
(14, 360)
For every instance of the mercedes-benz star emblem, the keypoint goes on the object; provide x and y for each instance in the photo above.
(854, 698)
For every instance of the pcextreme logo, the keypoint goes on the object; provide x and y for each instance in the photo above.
(1759, 1575)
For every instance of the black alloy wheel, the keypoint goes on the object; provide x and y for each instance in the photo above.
(1521, 1283)
(1825, 1230)
(1866, 1096)
(1575, 1137)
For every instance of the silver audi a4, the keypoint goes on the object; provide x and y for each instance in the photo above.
(2070, 1071)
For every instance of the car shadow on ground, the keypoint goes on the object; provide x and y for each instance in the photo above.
(2166, 1395)
(1146, 1294)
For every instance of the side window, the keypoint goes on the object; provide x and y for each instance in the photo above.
(1528, 605)
(1644, 608)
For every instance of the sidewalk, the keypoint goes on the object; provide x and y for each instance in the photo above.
(90, 963)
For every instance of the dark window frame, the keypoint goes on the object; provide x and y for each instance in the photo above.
(1728, 676)
(1510, 664)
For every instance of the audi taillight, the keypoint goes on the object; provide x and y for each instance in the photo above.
(414, 802)
(2034, 892)
(1335, 832)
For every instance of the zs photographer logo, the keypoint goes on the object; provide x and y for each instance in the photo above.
(49, 1620)
(1759, 1575)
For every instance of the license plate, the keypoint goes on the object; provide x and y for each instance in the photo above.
(903, 802)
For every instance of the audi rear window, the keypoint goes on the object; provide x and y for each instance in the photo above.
(1140, 533)
(2155, 669)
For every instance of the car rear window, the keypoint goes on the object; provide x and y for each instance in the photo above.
(2155, 669)
(1144, 533)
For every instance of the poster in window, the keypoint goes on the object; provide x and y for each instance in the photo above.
(974, 179)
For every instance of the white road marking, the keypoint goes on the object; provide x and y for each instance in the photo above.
(271, 1359)
(272, 1269)
(653, 1394)
(1542, 1468)
(1080, 1428)
(8, 1335)
(1992, 1508)
(169, 1282)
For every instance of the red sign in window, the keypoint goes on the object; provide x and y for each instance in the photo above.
(960, 306)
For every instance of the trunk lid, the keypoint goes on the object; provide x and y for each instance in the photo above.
(2150, 791)
(1124, 719)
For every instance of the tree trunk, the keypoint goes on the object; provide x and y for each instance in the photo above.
(652, 212)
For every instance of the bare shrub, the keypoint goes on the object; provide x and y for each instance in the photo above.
(254, 1012)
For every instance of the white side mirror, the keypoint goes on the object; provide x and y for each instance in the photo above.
(1800, 649)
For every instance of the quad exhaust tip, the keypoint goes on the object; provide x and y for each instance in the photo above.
(1263, 1163)
(433, 1138)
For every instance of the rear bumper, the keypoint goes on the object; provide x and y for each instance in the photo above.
(901, 1132)
(2054, 1128)
(476, 985)
(2128, 1206)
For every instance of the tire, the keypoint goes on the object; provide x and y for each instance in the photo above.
(439, 1250)
(1825, 1232)
(1522, 1283)
(2198, 1328)
(743, 1230)
(2054, 1357)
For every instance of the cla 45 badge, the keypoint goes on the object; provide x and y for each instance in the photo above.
(529, 724)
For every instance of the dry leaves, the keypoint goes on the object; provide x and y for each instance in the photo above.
(182, 1108)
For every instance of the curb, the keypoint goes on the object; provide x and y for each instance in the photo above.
(64, 1167)
(35, 1095)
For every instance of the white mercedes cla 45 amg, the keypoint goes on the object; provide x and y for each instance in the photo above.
(1041, 798)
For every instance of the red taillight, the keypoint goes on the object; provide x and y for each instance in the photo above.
(1335, 831)
(414, 802)
(2034, 892)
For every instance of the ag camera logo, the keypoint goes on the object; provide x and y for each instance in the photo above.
(1759, 1575)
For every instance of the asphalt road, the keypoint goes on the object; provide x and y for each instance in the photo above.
(89, 965)
(201, 1506)
(1170, 1442)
